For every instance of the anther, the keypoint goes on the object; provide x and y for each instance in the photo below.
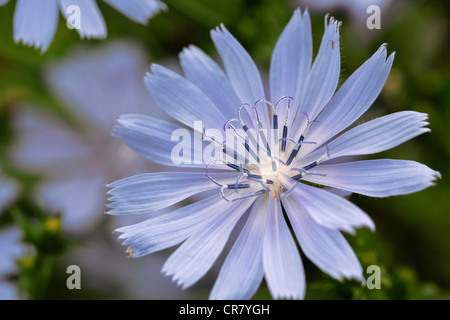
(238, 186)
(254, 194)
(263, 137)
(246, 145)
(285, 126)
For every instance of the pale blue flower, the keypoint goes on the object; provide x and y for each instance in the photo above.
(76, 162)
(307, 114)
(35, 22)
(10, 247)
(8, 192)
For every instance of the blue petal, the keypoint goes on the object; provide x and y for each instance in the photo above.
(352, 99)
(171, 228)
(149, 192)
(326, 248)
(35, 22)
(242, 271)
(149, 137)
(138, 10)
(373, 136)
(282, 264)
(8, 192)
(291, 62)
(11, 249)
(181, 99)
(241, 70)
(379, 134)
(376, 178)
(202, 71)
(328, 209)
(195, 257)
(322, 79)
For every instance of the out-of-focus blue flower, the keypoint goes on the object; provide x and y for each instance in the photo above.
(97, 86)
(8, 192)
(35, 22)
(10, 247)
(302, 118)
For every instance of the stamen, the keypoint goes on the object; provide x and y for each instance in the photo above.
(233, 166)
(252, 184)
(254, 176)
(259, 179)
(246, 129)
(208, 175)
(228, 151)
(263, 137)
(206, 138)
(305, 169)
(246, 145)
(284, 139)
(310, 166)
(285, 127)
(254, 194)
(238, 186)
(288, 192)
(239, 113)
(297, 147)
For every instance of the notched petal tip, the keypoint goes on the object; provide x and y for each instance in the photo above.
(298, 13)
(383, 50)
(436, 175)
(154, 68)
(32, 44)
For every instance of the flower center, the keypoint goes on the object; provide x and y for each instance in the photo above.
(263, 154)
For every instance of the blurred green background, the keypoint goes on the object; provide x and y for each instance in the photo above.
(412, 240)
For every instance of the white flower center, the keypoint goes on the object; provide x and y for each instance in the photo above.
(263, 156)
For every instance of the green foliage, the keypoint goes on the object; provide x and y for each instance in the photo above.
(44, 241)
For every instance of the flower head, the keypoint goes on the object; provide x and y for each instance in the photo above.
(10, 247)
(8, 192)
(35, 22)
(275, 159)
